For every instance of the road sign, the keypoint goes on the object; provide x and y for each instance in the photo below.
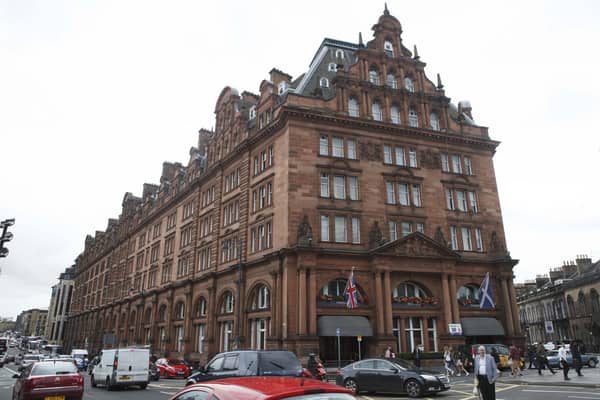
(359, 338)
(338, 332)
(549, 326)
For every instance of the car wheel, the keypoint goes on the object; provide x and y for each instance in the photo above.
(352, 385)
(93, 381)
(143, 386)
(190, 382)
(591, 363)
(412, 388)
(108, 385)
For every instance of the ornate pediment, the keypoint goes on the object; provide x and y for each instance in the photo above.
(415, 245)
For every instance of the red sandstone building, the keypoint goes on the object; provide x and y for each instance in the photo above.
(360, 163)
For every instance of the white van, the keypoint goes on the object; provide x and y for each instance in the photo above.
(122, 367)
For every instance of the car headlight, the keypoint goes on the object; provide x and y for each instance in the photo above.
(429, 378)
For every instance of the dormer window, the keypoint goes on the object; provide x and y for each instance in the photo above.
(324, 82)
(252, 112)
(283, 86)
(434, 121)
(339, 54)
(408, 84)
(374, 76)
(388, 48)
(332, 67)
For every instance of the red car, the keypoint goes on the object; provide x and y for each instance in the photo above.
(264, 388)
(48, 380)
(172, 368)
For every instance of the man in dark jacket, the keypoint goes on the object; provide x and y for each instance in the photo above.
(576, 352)
(417, 355)
(542, 359)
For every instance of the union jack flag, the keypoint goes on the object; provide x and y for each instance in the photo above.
(351, 293)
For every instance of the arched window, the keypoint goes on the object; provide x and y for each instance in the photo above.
(335, 292)
(332, 67)
(374, 76)
(227, 303)
(179, 310)
(468, 296)
(147, 316)
(376, 111)
(339, 54)
(200, 310)
(162, 313)
(388, 48)
(261, 298)
(282, 87)
(571, 306)
(408, 289)
(408, 84)
(324, 82)
(413, 118)
(353, 109)
(581, 303)
(390, 80)
(434, 121)
(395, 114)
(595, 301)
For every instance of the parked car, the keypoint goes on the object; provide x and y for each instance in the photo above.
(172, 368)
(48, 380)
(29, 359)
(264, 387)
(586, 359)
(153, 373)
(249, 363)
(390, 376)
(121, 367)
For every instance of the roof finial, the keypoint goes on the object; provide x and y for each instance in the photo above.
(360, 41)
(439, 82)
(416, 53)
(385, 11)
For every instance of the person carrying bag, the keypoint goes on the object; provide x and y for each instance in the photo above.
(486, 373)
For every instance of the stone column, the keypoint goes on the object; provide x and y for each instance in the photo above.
(507, 307)
(514, 306)
(301, 297)
(379, 304)
(402, 334)
(312, 302)
(387, 303)
(453, 300)
(447, 302)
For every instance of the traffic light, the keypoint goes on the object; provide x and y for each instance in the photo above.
(6, 236)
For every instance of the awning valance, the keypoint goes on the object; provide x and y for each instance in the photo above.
(481, 326)
(350, 325)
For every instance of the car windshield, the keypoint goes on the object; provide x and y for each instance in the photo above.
(55, 368)
(176, 362)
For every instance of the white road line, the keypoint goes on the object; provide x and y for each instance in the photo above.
(581, 397)
(167, 393)
(560, 391)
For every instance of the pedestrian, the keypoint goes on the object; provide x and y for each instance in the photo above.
(312, 365)
(388, 352)
(514, 360)
(417, 355)
(448, 360)
(496, 357)
(562, 357)
(576, 352)
(486, 373)
(531, 356)
(542, 359)
(460, 364)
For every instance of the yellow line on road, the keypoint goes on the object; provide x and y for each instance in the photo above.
(497, 390)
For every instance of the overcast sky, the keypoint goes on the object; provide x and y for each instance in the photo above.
(95, 95)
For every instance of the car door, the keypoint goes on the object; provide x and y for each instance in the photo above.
(18, 386)
(213, 370)
(388, 377)
(365, 375)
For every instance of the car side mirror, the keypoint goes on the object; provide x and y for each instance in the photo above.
(394, 370)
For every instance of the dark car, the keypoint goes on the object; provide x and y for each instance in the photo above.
(390, 376)
(48, 380)
(264, 388)
(586, 359)
(249, 363)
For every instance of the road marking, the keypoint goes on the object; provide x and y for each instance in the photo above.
(558, 391)
(581, 397)
(167, 393)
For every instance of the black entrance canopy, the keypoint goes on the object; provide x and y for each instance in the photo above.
(351, 325)
(482, 326)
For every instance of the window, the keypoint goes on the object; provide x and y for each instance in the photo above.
(227, 303)
(200, 337)
(449, 199)
(478, 240)
(468, 296)
(324, 145)
(453, 238)
(179, 311)
(472, 201)
(434, 121)
(390, 80)
(165, 274)
(461, 200)
(466, 239)
(353, 109)
(376, 111)
(395, 114)
(324, 228)
(412, 157)
(252, 112)
(406, 228)
(339, 54)
(337, 147)
(403, 196)
(408, 84)
(340, 230)
(387, 154)
(392, 229)
(414, 332)
(171, 220)
(413, 118)
(468, 166)
(324, 82)
(332, 67)
(409, 289)
(432, 333)
(179, 338)
(324, 185)
(182, 267)
(420, 227)
(456, 164)
(400, 156)
(263, 298)
(445, 164)
(282, 87)
(355, 230)
(374, 76)
(226, 335)
(388, 48)
(201, 308)
(351, 144)
(339, 187)
(353, 183)
(416, 195)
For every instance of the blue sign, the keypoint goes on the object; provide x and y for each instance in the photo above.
(338, 332)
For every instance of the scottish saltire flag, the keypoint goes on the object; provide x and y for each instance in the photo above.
(486, 298)
(351, 293)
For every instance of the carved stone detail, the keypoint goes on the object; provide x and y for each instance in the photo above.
(370, 151)
(304, 232)
(375, 236)
(430, 159)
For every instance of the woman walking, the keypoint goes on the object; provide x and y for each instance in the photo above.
(448, 361)
(485, 374)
